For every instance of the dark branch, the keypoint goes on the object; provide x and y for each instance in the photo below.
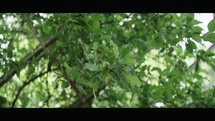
(47, 88)
(27, 83)
(6, 77)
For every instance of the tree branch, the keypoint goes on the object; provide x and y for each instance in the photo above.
(211, 48)
(6, 77)
(27, 83)
(35, 34)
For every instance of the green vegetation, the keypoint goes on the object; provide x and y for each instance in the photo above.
(104, 60)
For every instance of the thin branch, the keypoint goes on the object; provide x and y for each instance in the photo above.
(47, 88)
(7, 76)
(48, 98)
(26, 18)
(46, 101)
(27, 83)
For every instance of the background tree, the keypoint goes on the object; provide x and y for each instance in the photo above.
(104, 60)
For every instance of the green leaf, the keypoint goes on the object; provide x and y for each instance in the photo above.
(124, 51)
(156, 92)
(91, 67)
(157, 69)
(96, 26)
(187, 16)
(157, 42)
(119, 17)
(197, 66)
(190, 45)
(108, 78)
(68, 70)
(133, 80)
(115, 49)
(65, 84)
(211, 26)
(197, 29)
(67, 66)
(86, 83)
(197, 38)
(71, 72)
(195, 22)
(209, 37)
(178, 49)
(95, 86)
(3, 101)
(174, 73)
(209, 54)
(129, 60)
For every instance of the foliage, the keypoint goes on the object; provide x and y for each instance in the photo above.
(103, 60)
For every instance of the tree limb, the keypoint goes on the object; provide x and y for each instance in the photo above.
(7, 76)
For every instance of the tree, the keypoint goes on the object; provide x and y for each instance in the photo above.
(83, 60)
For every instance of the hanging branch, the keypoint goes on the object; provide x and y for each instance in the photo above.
(7, 76)
(63, 70)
